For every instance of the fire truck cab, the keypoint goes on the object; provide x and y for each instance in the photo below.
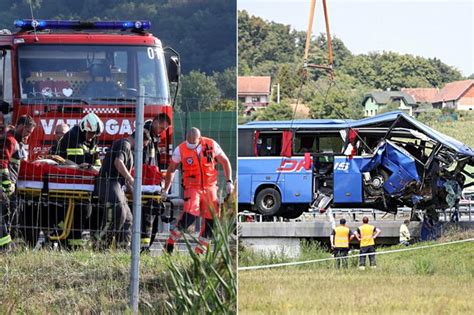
(58, 71)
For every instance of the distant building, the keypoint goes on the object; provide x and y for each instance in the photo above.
(375, 101)
(422, 95)
(254, 92)
(457, 95)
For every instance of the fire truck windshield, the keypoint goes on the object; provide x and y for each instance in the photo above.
(91, 74)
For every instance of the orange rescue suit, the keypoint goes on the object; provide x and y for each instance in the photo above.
(199, 171)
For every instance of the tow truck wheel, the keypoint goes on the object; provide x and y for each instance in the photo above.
(268, 201)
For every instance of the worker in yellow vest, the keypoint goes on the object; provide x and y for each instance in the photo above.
(367, 234)
(340, 238)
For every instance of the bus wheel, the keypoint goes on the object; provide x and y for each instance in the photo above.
(268, 201)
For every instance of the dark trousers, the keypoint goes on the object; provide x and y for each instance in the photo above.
(367, 250)
(341, 257)
(4, 221)
(117, 217)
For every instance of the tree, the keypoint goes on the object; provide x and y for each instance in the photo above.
(276, 111)
(224, 106)
(203, 32)
(389, 107)
(198, 92)
(226, 82)
(336, 100)
(289, 77)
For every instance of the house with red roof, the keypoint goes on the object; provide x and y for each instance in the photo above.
(458, 95)
(422, 95)
(254, 91)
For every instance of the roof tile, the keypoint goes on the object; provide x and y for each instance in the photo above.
(254, 85)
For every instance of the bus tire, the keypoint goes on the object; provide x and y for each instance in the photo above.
(268, 201)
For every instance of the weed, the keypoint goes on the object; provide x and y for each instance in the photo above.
(208, 283)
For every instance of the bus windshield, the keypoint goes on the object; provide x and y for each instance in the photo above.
(92, 73)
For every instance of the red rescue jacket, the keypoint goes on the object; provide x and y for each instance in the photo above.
(199, 171)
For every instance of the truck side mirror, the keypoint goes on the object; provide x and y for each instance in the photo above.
(5, 107)
(174, 69)
(173, 64)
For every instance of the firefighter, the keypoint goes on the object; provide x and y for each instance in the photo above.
(340, 238)
(198, 156)
(79, 145)
(158, 128)
(114, 174)
(367, 234)
(59, 132)
(12, 153)
(152, 155)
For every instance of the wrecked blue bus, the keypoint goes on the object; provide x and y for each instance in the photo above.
(383, 162)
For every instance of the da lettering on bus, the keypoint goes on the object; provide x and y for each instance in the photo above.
(289, 165)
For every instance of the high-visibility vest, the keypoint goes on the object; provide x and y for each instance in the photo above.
(341, 237)
(366, 235)
(199, 170)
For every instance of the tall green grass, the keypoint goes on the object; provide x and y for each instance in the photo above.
(207, 283)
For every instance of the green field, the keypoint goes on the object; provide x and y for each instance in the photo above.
(460, 130)
(429, 281)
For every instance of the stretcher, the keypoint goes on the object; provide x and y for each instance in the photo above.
(43, 182)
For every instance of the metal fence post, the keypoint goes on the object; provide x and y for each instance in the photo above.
(137, 206)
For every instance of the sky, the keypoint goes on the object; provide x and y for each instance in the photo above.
(430, 28)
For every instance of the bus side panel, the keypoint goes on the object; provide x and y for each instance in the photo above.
(262, 171)
(298, 187)
(288, 174)
(244, 188)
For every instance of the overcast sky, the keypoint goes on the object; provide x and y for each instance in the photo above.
(428, 28)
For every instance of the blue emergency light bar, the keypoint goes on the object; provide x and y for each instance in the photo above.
(80, 25)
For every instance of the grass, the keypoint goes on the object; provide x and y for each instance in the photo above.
(436, 280)
(209, 283)
(460, 130)
(58, 282)
(81, 281)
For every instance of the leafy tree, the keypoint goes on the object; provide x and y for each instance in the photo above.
(203, 32)
(289, 77)
(226, 82)
(336, 100)
(390, 107)
(198, 92)
(224, 106)
(261, 41)
(447, 73)
(276, 111)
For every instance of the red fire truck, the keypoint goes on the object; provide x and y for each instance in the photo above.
(58, 71)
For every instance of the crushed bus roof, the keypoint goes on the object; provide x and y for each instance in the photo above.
(385, 120)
